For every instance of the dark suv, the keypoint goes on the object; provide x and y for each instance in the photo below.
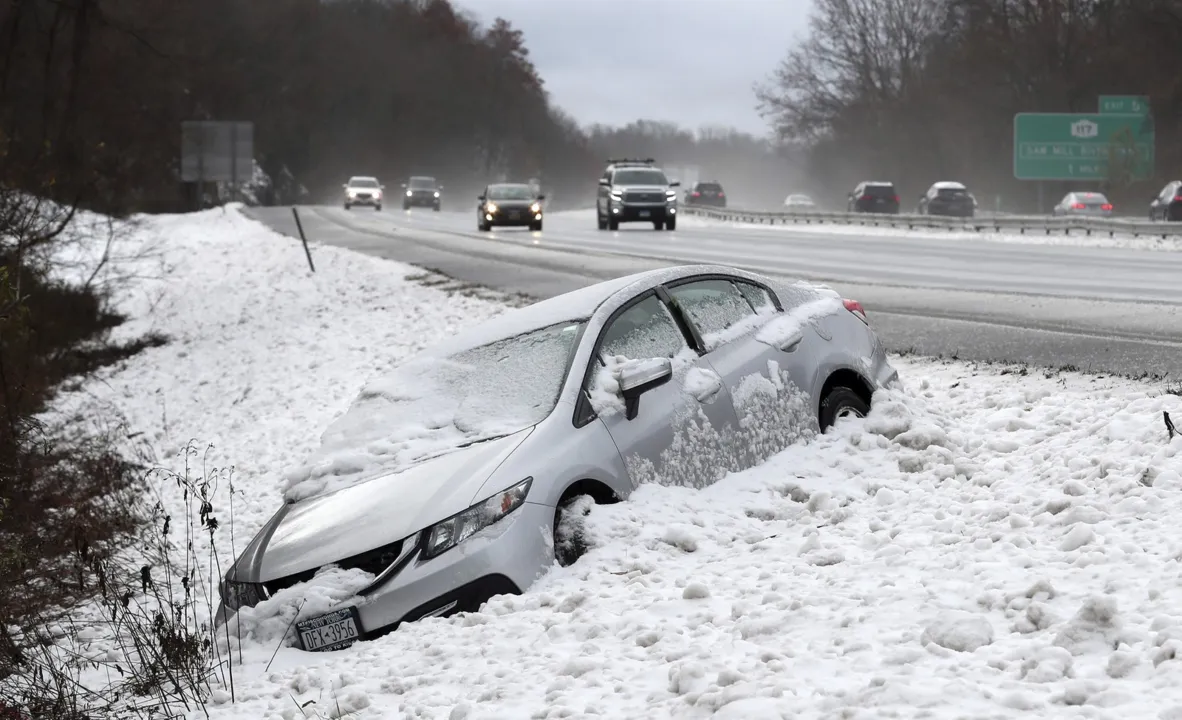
(874, 197)
(707, 194)
(421, 191)
(635, 191)
(947, 198)
(1167, 206)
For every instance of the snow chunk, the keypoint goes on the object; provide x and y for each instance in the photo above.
(958, 630)
(1094, 629)
(695, 591)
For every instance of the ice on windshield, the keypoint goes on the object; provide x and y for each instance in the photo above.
(363, 183)
(640, 177)
(431, 405)
(422, 183)
(511, 192)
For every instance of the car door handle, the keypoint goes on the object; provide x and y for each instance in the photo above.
(703, 384)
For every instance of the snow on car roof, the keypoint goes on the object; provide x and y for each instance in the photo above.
(949, 185)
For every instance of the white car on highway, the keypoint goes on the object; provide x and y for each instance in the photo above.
(363, 190)
(797, 202)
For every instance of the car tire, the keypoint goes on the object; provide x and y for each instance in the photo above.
(377, 208)
(483, 227)
(613, 224)
(671, 224)
(658, 225)
(570, 539)
(536, 227)
(406, 206)
(600, 222)
(840, 402)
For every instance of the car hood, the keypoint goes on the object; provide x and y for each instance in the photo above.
(513, 203)
(324, 529)
(643, 188)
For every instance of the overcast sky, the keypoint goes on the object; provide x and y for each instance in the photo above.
(689, 61)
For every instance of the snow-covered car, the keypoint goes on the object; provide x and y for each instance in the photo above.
(799, 203)
(464, 472)
(363, 190)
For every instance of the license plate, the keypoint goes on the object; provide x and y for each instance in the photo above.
(644, 213)
(515, 216)
(336, 630)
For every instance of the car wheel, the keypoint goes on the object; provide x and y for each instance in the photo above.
(348, 206)
(671, 224)
(570, 533)
(613, 224)
(377, 208)
(536, 227)
(658, 225)
(841, 402)
(437, 208)
(406, 206)
(600, 222)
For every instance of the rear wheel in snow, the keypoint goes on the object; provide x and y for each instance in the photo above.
(570, 533)
(841, 402)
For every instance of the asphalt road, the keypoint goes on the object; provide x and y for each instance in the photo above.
(1098, 309)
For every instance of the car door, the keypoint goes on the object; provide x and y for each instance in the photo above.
(680, 426)
(769, 385)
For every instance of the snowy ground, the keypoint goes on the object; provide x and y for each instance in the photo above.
(984, 545)
(1075, 239)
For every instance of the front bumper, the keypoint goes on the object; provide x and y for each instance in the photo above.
(506, 557)
(642, 213)
(363, 200)
(513, 217)
(420, 200)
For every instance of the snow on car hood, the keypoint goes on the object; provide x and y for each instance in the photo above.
(334, 526)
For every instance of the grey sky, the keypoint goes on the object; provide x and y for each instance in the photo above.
(688, 61)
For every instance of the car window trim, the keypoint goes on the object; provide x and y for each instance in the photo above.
(584, 413)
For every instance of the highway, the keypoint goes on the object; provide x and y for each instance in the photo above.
(1098, 309)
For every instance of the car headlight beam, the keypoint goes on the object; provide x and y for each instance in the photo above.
(535, 208)
(491, 208)
(444, 536)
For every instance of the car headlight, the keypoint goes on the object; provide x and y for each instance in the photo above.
(352, 193)
(490, 208)
(536, 208)
(410, 193)
(618, 197)
(445, 535)
(236, 595)
(436, 193)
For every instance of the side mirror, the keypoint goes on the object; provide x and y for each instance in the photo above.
(541, 197)
(404, 185)
(604, 183)
(481, 198)
(346, 186)
(675, 183)
(640, 376)
(438, 187)
(381, 187)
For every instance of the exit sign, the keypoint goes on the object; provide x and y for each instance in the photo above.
(1124, 105)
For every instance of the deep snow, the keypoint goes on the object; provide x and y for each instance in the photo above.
(983, 545)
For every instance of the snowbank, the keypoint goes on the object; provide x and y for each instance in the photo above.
(984, 544)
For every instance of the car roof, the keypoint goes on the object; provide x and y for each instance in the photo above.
(509, 185)
(363, 177)
(578, 304)
(422, 177)
(878, 183)
(949, 185)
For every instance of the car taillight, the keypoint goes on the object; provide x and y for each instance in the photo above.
(1079, 206)
(867, 197)
(856, 308)
(1178, 198)
(697, 194)
(896, 198)
(721, 194)
(1106, 207)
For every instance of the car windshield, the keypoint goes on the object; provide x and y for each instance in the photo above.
(363, 183)
(511, 192)
(422, 183)
(709, 187)
(640, 177)
(433, 405)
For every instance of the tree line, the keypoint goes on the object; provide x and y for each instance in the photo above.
(917, 91)
(93, 94)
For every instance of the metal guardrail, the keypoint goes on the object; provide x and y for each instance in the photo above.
(1021, 224)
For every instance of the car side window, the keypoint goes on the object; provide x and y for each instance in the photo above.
(714, 306)
(759, 298)
(645, 330)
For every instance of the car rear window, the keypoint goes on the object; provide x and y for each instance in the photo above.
(709, 187)
(952, 192)
(879, 191)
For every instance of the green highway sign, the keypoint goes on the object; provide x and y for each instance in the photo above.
(1070, 146)
(1124, 104)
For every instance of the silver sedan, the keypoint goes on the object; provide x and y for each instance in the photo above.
(464, 473)
(1083, 204)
